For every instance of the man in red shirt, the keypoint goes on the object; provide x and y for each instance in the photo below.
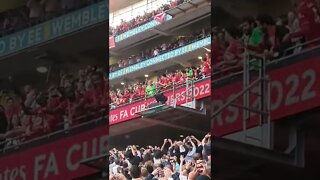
(208, 58)
(309, 28)
(206, 68)
(163, 81)
(176, 77)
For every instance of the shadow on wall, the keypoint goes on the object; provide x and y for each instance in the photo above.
(227, 12)
(228, 19)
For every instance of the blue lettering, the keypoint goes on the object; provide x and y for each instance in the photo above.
(163, 57)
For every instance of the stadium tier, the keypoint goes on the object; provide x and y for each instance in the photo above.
(160, 84)
(53, 88)
(265, 89)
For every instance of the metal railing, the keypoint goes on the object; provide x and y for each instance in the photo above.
(173, 87)
(234, 71)
(15, 142)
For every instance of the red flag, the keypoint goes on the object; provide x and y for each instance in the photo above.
(112, 43)
(160, 17)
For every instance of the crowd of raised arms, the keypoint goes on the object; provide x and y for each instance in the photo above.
(187, 159)
(265, 36)
(141, 90)
(142, 19)
(31, 12)
(29, 112)
(162, 48)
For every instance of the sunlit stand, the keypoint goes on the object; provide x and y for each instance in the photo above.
(171, 114)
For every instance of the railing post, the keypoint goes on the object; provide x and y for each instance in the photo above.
(246, 81)
(145, 101)
(174, 95)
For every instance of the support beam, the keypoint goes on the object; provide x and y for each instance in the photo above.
(249, 109)
(99, 162)
(174, 126)
(194, 5)
(296, 158)
(160, 32)
(181, 9)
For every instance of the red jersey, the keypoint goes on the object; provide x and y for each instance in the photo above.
(205, 68)
(163, 81)
(183, 78)
(12, 110)
(175, 78)
(217, 52)
(309, 28)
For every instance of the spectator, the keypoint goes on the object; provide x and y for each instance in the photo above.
(171, 161)
(256, 39)
(150, 89)
(51, 7)
(31, 12)
(307, 21)
(68, 5)
(234, 52)
(135, 172)
(34, 113)
(293, 22)
(35, 11)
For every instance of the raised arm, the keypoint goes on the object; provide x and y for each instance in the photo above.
(181, 164)
(198, 141)
(164, 144)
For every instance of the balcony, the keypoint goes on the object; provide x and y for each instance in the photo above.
(176, 94)
(183, 15)
(54, 29)
(293, 80)
(167, 59)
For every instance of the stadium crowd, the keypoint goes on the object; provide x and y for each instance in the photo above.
(141, 90)
(143, 19)
(30, 112)
(148, 53)
(187, 159)
(265, 36)
(36, 11)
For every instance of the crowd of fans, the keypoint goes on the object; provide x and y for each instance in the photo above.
(141, 90)
(158, 50)
(37, 11)
(187, 159)
(30, 112)
(265, 36)
(141, 20)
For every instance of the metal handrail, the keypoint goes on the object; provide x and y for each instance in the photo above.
(214, 114)
(302, 44)
(275, 61)
(179, 85)
(50, 134)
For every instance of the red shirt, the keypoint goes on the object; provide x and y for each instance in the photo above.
(217, 52)
(163, 81)
(169, 78)
(175, 78)
(143, 90)
(205, 68)
(235, 48)
(308, 27)
(183, 78)
(12, 110)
